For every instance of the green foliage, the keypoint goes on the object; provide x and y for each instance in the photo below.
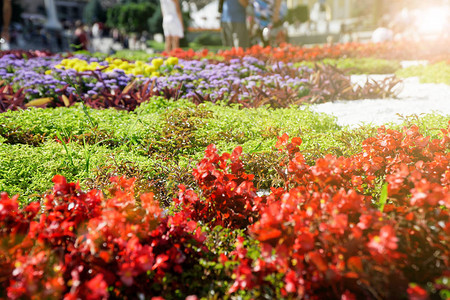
(94, 12)
(28, 170)
(135, 54)
(155, 21)
(157, 46)
(429, 124)
(434, 73)
(299, 13)
(161, 141)
(208, 39)
(138, 16)
(359, 65)
(383, 196)
(131, 17)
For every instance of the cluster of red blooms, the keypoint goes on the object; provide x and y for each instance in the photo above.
(81, 246)
(187, 54)
(284, 53)
(388, 50)
(291, 53)
(228, 194)
(325, 235)
(330, 240)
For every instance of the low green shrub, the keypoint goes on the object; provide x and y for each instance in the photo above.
(358, 65)
(134, 55)
(208, 39)
(434, 73)
(161, 141)
(28, 170)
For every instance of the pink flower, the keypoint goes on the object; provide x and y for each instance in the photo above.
(386, 240)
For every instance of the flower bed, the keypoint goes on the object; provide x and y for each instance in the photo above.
(399, 50)
(125, 84)
(373, 225)
(161, 210)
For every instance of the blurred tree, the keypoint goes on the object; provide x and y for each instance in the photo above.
(138, 16)
(155, 21)
(94, 12)
(132, 16)
(299, 13)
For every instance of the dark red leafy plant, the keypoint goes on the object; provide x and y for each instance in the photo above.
(328, 83)
(10, 100)
(130, 97)
(15, 100)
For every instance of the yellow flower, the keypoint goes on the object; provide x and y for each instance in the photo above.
(141, 70)
(150, 69)
(124, 66)
(157, 62)
(48, 72)
(172, 61)
(70, 63)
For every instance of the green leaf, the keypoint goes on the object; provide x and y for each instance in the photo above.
(69, 153)
(383, 196)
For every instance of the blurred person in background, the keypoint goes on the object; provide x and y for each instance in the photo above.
(320, 13)
(115, 34)
(267, 22)
(125, 39)
(172, 23)
(233, 23)
(97, 30)
(80, 40)
(143, 39)
(43, 36)
(6, 14)
(383, 33)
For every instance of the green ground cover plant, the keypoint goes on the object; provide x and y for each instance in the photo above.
(433, 73)
(135, 196)
(134, 54)
(372, 225)
(161, 139)
(36, 144)
(353, 66)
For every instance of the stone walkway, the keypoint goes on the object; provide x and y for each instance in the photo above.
(415, 98)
